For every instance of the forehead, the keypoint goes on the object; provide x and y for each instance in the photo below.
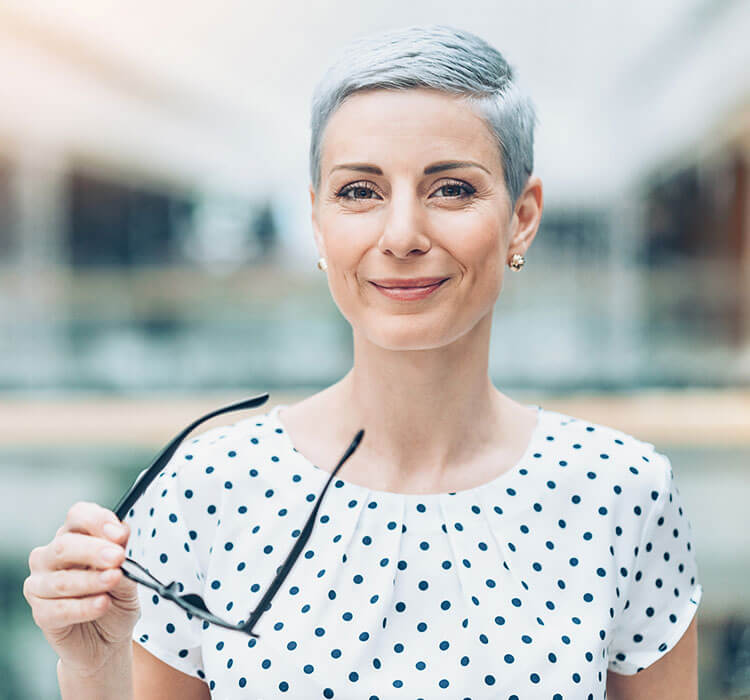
(407, 128)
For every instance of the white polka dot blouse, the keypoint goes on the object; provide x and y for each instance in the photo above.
(576, 561)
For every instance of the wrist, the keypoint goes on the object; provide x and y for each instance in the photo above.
(114, 652)
(110, 679)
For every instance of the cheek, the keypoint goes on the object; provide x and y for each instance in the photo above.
(345, 248)
(341, 243)
(480, 251)
(345, 262)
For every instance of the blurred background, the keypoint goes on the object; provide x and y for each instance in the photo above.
(157, 259)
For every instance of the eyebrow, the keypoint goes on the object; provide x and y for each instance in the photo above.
(434, 168)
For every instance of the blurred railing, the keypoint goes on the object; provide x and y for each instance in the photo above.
(560, 324)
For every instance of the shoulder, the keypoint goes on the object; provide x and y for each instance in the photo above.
(215, 456)
(205, 468)
(605, 454)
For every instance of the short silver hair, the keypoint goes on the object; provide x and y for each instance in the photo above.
(439, 57)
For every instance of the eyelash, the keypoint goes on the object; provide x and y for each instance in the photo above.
(341, 194)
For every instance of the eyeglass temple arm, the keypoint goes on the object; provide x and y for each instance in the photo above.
(163, 458)
(299, 544)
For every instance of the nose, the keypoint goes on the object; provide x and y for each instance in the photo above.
(404, 231)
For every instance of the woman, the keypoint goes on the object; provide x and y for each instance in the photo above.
(475, 547)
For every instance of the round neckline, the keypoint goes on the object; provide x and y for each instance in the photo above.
(341, 483)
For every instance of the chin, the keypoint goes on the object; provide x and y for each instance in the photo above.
(407, 333)
(405, 345)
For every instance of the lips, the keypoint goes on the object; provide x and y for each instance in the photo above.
(411, 283)
(411, 293)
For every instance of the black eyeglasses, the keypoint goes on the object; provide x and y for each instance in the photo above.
(192, 603)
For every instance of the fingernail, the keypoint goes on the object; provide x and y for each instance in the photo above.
(108, 576)
(113, 531)
(111, 554)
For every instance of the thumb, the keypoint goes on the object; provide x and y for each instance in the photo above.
(125, 593)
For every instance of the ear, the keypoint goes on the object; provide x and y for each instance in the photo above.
(316, 229)
(527, 216)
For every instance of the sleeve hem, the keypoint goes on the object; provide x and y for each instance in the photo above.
(630, 666)
(170, 659)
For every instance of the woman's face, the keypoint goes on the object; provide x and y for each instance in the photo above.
(412, 187)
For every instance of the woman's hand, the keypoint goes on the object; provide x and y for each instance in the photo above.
(79, 596)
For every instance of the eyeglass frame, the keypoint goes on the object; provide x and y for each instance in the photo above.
(192, 603)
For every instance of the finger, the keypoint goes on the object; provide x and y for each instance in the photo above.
(73, 550)
(72, 583)
(40, 556)
(52, 614)
(92, 519)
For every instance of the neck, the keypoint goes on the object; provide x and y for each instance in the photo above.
(423, 411)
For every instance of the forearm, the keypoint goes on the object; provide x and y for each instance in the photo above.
(114, 681)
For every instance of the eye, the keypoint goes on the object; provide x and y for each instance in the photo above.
(356, 191)
(455, 189)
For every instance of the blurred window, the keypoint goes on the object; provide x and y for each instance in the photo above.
(694, 245)
(576, 232)
(111, 223)
(7, 223)
(693, 214)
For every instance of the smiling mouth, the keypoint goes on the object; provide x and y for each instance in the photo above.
(411, 286)
(413, 293)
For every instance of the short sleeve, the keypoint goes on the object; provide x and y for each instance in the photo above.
(663, 591)
(164, 542)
